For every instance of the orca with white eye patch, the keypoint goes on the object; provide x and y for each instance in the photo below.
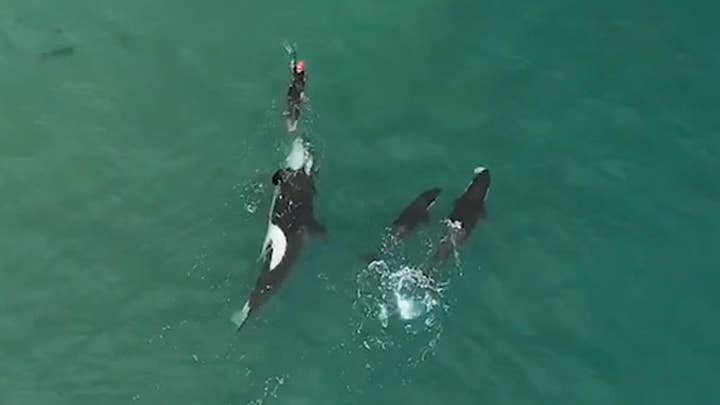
(292, 220)
(467, 211)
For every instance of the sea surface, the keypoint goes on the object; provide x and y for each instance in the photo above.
(135, 166)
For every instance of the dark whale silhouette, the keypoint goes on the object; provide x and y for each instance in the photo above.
(467, 211)
(292, 220)
(414, 215)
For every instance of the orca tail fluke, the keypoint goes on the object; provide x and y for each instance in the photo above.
(240, 317)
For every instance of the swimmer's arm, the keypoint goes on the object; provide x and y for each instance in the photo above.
(293, 56)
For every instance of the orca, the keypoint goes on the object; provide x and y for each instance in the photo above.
(58, 52)
(414, 215)
(467, 211)
(292, 220)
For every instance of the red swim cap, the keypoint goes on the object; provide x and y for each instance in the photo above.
(300, 66)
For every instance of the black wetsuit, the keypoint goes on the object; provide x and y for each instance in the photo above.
(294, 95)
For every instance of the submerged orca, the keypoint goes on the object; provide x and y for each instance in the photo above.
(467, 211)
(292, 220)
(414, 215)
(58, 52)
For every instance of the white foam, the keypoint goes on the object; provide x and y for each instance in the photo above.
(299, 157)
(407, 307)
(412, 299)
(383, 315)
(457, 224)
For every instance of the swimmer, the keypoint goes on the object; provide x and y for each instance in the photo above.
(296, 91)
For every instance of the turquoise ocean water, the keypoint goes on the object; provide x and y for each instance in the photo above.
(134, 181)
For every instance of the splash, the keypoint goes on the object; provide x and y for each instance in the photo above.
(412, 293)
(401, 302)
(408, 294)
(251, 193)
(299, 156)
(401, 309)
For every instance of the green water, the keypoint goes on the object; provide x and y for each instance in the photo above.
(134, 177)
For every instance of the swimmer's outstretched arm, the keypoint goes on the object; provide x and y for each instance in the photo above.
(293, 55)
